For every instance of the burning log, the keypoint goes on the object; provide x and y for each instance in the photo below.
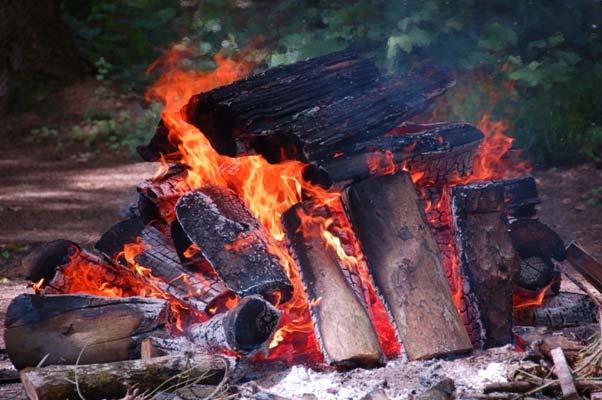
(535, 273)
(532, 238)
(163, 262)
(157, 346)
(488, 262)
(560, 311)
(112, 380)
(403, 259)
(521, 197)
(438, 151)
(245, 329)
(269, 99)
(113, 240)
(341, 322)
(110, 329)
(233, 241)
(158, 196)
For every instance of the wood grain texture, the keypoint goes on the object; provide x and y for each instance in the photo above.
(403, 259)
(342, 324)
(110, 329)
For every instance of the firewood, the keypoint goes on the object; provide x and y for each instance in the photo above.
(403, 259)
(438, 151)
(535, 273)
(233, 241)
(43, 260)
(158, 196)
(270, 98)
(560, 311)
(564, 374)
(245, 329)
(532, 238)
(488, 261)
(112, 380)
(110, 329)
(521, 197)
(585, 264)
(342, 325)
(200, 291)
(113, 240)
(162, 345)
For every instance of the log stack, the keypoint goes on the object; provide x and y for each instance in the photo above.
(208, 270)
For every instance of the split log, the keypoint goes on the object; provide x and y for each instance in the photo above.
(488, 262)
(532, 238)
(565, 376)
(342, 325)
(560, 311)
(245, 329)
(110, 329)
(112, 380)
(161, 259)
(437, 151)
(403, 259)
(113, 240)
(158, 196)
(234, 242)
(585, 264)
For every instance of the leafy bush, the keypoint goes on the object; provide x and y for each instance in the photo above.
(534, 63)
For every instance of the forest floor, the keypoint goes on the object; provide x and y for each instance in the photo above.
(79, 196)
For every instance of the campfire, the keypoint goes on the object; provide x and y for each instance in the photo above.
(298, 216)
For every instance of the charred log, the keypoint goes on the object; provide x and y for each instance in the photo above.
(341, 321)
(521, 197)
(247, 328)
(43, 260)
(437, 151)
(158, 197)
(110, 329)
(532, 238)
(488, 262)
(113, 240)
(113, 380)
(560, 311)
(233, 241)
(161, 345)
(403, 259)
(535, 273)
(200, 291)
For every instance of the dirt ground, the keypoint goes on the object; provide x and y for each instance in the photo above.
(78, 198)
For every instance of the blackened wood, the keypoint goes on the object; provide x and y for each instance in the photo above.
(341, 321)
(161, 258)
(521, 197)
(534, 273)
(43, 260)
(403, 259)
(532, 238)
(113, 240)
(585, 264)
(158, 196)
(560, 311)
(488, 261)
(438, 151)
(113, 380)
(245, 329)
(111, 329)
(233, 241)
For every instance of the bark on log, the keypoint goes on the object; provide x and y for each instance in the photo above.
(437, 151)
(160, 257)
(488, 261)
(341, 320)
(560, 311)
(110, 329)
(234, 242)
(112, 380)
(245, 329)
(159, 345)
(532, 238)
(158, 196)
(403, 259)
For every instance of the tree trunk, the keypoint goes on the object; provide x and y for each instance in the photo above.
(35, 45)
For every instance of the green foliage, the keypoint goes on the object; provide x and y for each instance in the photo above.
(550, 49)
